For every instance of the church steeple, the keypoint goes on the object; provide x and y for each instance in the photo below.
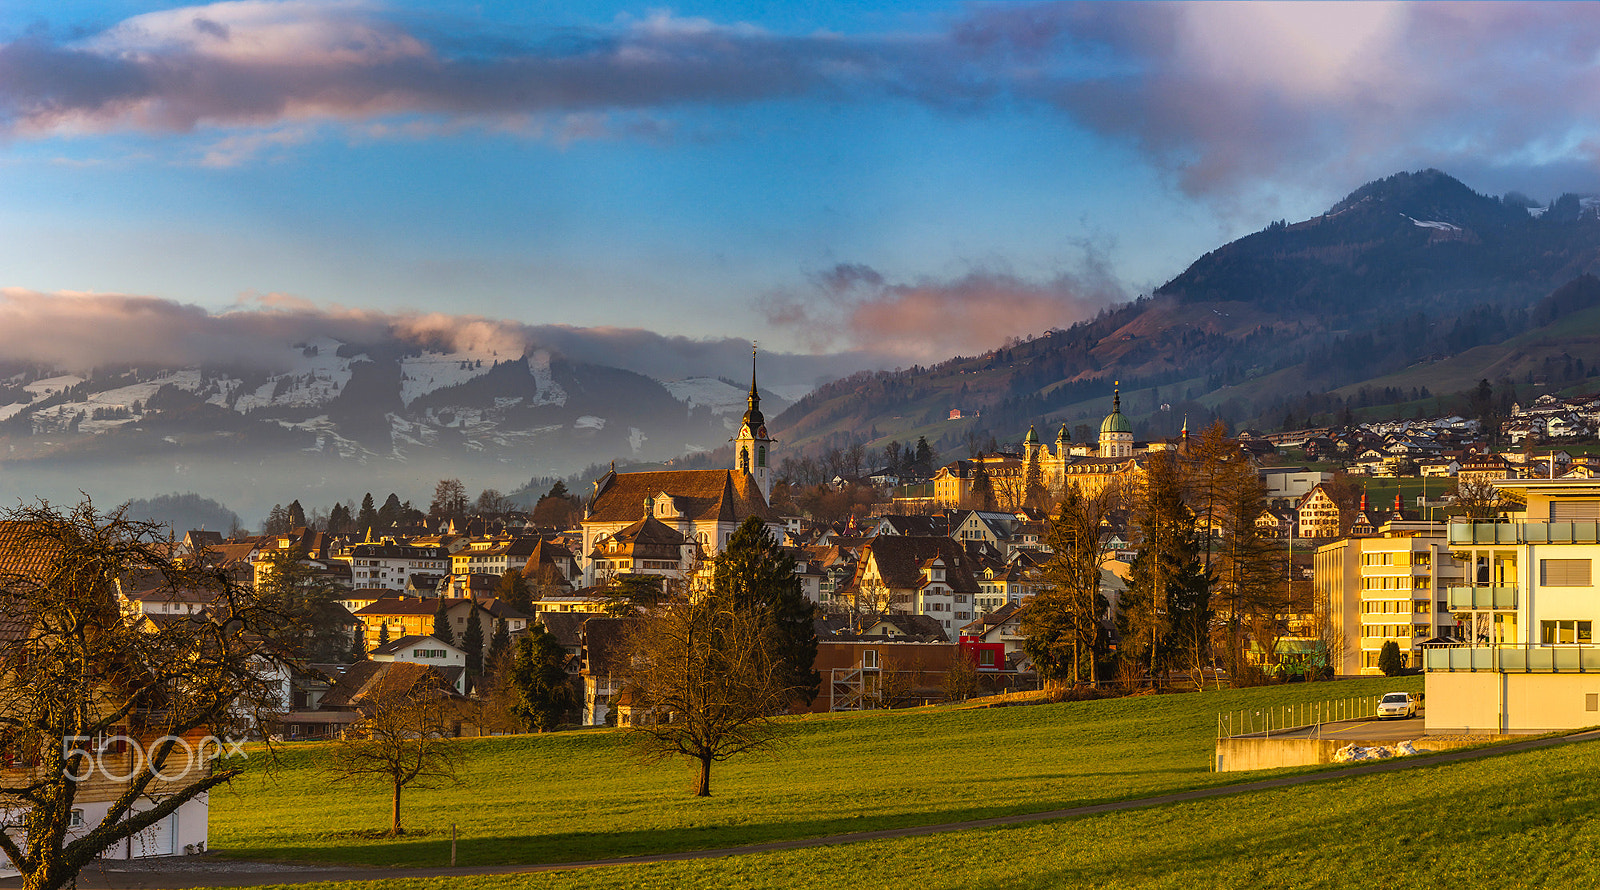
(752, 446)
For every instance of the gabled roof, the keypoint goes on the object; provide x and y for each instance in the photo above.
(899, 560)
(911, 628)
(697, 495)
(368, 680)
(410, 640)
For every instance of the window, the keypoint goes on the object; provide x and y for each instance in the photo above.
(986, 659)
(76, 820)
(1564, 572)
(869, 659)
(1553, 633)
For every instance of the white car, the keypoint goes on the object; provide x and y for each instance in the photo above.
(1397, 704)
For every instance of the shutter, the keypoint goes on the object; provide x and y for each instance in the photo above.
(1564, 572)
(1574, 511)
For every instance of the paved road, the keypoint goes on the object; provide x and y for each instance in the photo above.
(1366, 730)
(192, 872)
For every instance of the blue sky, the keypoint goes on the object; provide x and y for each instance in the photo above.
(901, 182)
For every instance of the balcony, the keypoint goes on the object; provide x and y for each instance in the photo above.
(1482, 598)
(1516, 658)
(1487, 532)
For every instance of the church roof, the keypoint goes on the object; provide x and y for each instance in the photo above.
(1115, 422)
(698, 495)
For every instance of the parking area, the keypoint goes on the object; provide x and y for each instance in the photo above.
(1366, 730)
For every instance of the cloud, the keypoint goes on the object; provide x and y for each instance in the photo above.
(853, 306)
(81, 331)
(1224, 97)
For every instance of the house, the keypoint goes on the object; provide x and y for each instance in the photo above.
(1531, 603)
(390, 565)
(413, 616)
(1002, 627)
(604, 642)
(874, 668)
(1318, 513)
(647, 547)
(448, 659)
(919, 576)
(353, 692)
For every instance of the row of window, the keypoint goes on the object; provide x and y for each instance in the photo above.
(1395, 631)
(1395, 582)
(1556, 632)
(1395, 607)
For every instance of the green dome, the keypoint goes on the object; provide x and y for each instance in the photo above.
(1032, 438)
(1115, 422)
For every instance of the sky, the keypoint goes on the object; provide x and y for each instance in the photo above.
(893, 182)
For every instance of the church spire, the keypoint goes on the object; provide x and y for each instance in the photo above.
(755, 397)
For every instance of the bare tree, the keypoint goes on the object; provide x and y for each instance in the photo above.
(449, 500)
(1478, 498)
(492, 503)
(83, 691)
(403, 740)
(704, 682)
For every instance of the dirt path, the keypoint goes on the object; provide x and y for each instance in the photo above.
(206, 871)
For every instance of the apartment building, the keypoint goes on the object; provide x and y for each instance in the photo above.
(1528, 663)
(1390, 586)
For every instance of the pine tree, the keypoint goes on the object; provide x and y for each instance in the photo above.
(441, 623)
(472, 641)
(1062, 626)
(513, 590)
(499, 644)
(753, 570)
(1165, 612)
(391, 512)
(924, 458)
(367, 518)
(983, 496)
(539, 677)
(297, 515)
(383, 634)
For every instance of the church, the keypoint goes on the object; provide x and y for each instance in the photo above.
(1115, 458)
(631, 511)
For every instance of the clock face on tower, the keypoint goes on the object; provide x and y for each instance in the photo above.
(761, 431)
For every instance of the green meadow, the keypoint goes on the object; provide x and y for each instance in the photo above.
(582, 795)
(1520, 820)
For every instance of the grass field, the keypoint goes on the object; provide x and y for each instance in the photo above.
(1523, 820)
(580, 795)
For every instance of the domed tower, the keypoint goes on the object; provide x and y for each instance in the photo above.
(1030, 445)
(752, 447)
(1063, 443)
(1116, 435)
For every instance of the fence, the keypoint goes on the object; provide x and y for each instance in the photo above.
(1284, 718)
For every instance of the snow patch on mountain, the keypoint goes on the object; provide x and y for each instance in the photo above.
(1434, 224)
(791, 392)
(550, 392)
(422, 374)
(589, 422)
(708, 392)
(52, 385)
(317, 375)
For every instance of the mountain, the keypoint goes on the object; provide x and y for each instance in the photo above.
(334, 419)
(1411, 278)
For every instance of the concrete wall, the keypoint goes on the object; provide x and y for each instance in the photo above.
(1237, 755)
(1489, 702)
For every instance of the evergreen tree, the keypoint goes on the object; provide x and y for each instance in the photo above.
(513, 590)
(390, 513)
(367, 517)
(539, 678)
(1165, 614)
(339, 521)
(441, 623)
(983, 496)
(753, 570)
(277, 521)
(472, 641)
(924, 460)
(1390, 661)
(383, 634)
(499, 644)
(1034, 495)
(297, 515)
